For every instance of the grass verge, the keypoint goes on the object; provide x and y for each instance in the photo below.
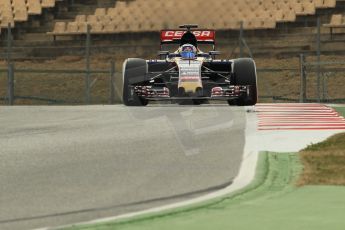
(324, 163)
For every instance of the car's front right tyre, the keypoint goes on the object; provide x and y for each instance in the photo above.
(134, 71)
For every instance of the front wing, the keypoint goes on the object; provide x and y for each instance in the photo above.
(155, 93)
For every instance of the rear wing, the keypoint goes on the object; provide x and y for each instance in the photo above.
(174, 36)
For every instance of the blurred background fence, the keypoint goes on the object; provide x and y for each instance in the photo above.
(322, 81)
(76, 79)
(296, 65)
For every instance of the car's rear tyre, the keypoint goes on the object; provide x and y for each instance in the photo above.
(134, 71)
(244, 73)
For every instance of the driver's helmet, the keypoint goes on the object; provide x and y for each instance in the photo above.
(188, 51)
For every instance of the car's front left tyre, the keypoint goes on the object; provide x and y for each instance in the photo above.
(244, 73)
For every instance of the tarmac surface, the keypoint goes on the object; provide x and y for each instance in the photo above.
(62, 165)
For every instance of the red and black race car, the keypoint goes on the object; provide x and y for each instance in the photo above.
(188, 74)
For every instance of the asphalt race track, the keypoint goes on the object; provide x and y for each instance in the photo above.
(61, 165)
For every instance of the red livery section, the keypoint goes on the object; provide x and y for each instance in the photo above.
(168, 36)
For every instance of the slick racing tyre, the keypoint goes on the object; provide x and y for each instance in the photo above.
(244, 73)
(134, 71)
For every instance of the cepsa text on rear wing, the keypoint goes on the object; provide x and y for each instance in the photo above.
(174, 36)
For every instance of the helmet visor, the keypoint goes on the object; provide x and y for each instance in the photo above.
(188, 55)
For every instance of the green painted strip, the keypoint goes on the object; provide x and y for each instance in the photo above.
(275, 176)
(340, 110)
(270, 202)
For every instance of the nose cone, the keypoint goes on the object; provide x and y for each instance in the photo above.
(191, 88)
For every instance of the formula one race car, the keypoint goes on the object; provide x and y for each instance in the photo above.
(189, 75)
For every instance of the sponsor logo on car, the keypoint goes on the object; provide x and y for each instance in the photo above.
(181, 33)
(201, 35)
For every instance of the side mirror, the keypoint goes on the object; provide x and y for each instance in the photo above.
(163, 53)
(214, 53)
